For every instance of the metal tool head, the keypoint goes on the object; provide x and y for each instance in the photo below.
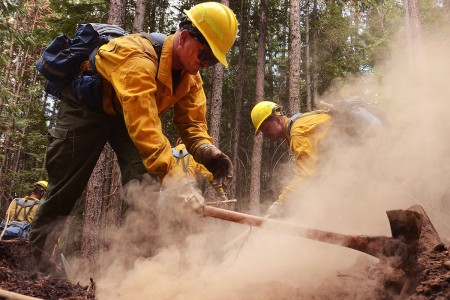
(405, 223)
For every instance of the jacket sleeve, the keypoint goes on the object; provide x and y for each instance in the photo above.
(132, 73)
(190, 116)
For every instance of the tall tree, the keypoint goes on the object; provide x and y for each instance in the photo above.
(215, 109)
(309, 104)
(239, 97)
(315, 92)
(102, 190)
(216, 99)
(294, 56)
(257, 146)
(117, 12)
(139, 17)
(412, 22)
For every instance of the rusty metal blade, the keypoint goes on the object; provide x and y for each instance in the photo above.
(405, 223)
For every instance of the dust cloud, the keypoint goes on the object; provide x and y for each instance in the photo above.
(407, 163)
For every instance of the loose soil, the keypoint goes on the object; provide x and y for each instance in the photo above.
(18, 273)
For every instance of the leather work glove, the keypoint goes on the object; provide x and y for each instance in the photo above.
(276, 210)
(217, 162)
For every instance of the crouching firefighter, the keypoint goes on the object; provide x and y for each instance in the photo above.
(305, 132)
(21, 213)
(138, 83)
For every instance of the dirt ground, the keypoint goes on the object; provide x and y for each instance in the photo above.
(18, 274)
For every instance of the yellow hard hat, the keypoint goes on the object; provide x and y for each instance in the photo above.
(218, 24)
(262, 111)
(42, 183)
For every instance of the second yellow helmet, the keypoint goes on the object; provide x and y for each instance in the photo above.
(262, 110)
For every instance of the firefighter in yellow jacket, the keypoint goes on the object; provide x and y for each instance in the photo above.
(137, 86)
(193, 169)
(305, 131)
(24, 209)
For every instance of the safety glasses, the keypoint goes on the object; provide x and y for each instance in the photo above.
(205, 54)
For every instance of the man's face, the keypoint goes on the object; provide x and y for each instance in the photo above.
(195, 55)
(272, 128)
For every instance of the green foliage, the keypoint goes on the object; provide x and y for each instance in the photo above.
(69, 14)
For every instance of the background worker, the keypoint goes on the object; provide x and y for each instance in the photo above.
(23, 210)
(193, 169)
(305, 131)
(144, 86)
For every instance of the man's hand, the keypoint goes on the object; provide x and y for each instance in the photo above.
(276, 210)
(217, 162)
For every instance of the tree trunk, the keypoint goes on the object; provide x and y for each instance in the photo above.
(116, 12)
(315, 61)
(138, 23)
(216, 99)
(92, 214)
(103, 181)
(294, 55)
(307, 60)
(216, 103)
(240, 82)
(215, 110)
(113, 204)
(257, 146)
(412, 24)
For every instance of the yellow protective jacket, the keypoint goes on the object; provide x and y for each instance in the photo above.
(20, 213)
(141, 89)
(304, 138)
(194, 168)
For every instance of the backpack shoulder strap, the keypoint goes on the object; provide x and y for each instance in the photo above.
(292, 120)
(157, 40)
(26, 206)
(300, 115)
(19, 207)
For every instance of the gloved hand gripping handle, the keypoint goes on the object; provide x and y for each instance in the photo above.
(217, 162)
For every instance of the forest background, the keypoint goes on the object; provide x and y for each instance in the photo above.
(291, 52)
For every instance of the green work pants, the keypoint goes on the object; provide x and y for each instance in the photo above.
(75, 145)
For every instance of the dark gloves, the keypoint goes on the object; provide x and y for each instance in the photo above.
(217, 162)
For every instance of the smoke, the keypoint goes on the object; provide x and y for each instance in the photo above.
(407, 163)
